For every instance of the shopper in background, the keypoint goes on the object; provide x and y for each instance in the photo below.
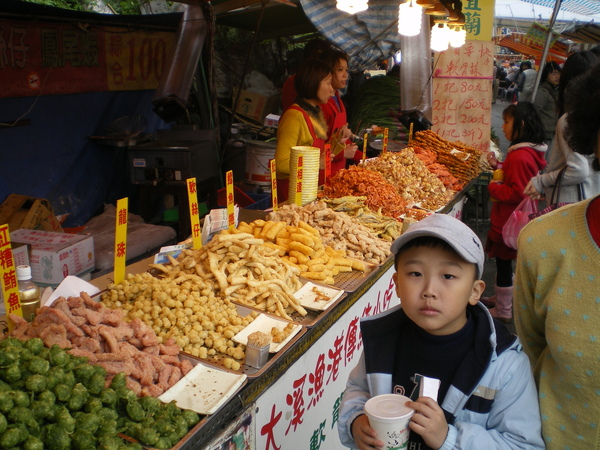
(546, 101)
(524, 130)
(526, 82)
(338, 133)
(303, 122)
(557, 312)
(486, 398)
(313, 49)
(578, 180)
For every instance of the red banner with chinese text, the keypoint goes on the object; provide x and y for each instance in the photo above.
(44, 58)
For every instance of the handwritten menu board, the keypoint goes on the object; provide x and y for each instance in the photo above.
(462, 94)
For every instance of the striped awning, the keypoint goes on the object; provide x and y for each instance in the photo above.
(587, 34)
(367, 37)
(518, 42)
(585, 7)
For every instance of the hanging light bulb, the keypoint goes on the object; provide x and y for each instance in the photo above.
(439, 37)
(352, 6)
(409, 18)
(458, 37)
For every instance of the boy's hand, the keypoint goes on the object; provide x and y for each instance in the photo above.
(429, 421)
(364, 435)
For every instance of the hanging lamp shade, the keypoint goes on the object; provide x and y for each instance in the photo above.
(426, 4)
(352, 6)
(437, 10)
(409, 18)
(439, 37)
(452, 14)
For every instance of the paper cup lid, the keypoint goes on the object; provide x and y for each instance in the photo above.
(388, 407)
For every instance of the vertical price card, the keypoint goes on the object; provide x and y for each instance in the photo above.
(327, 162)
(230, 200)
(273, 170)
(8, 276)
(192, 191)
(121, 240)
(365, 145)
(385, 139)
(299, 179)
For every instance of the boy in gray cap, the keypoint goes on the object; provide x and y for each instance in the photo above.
(487, 396)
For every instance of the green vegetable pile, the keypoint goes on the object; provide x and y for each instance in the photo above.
(377, 102)
(50, 399)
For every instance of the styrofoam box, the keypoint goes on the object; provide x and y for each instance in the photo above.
(54, 256)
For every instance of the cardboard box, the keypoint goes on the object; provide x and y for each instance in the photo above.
(21, 211)
(53, 256)
(256, 106)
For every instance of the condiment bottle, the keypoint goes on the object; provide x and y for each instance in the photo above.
(29, 293)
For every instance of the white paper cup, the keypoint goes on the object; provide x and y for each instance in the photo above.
(389, 418)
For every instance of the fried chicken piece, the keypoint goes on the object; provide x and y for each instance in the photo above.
(175, 376)
(185, 366)
(144, 333)
(89, 315)
(79, 352)
(96, 306)
(146, 367)
(86, 344)
(109, 338)
(134, 386)
(152, 391)
(55, 333)
(169, 349)
(21, 327)
(62, 305)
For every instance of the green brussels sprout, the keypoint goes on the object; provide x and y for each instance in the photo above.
(4, 386)
(57, 356)
(69, 378)
(8, 357)
(25, 355)
(148, 436)
(83, 372)
(47, 396)
(79, 396)
(131, 446)
(38, 365)
(100, 370)
(10, 374)
(56, 438)
(20, 414)
(3, 423)
(191, 417)
(119, 381)
(108, 414)
(107, 427)
(10, 341)
(135, 410)
(33, 443)
(41, 410)
(109, 443)
(44, 353)
(126, 394)
(54, 376)
(108, 396)
(20, 398)
(65, 420)
(6, 401)
(87, 422)
(150, 404)
(181, 427)
(62, 392)
(82, 440)
(164, 427)
(35, 383)
(95, 383)
(11, 437)
(34, 345)
(133, 429)
(163, 442)
(93, 405)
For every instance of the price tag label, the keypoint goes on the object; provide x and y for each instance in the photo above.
(121, 239)
(230, 200)
(8, 277)
(273, 170)
(365, 145)
(192, 191)
(299, 176)
(327, 162)
(385, 139)
(410, 132)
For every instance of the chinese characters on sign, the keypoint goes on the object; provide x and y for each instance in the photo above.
(299, 179)
(57, 58)
(8, 276)
(194, 212)
(301, 410)
(121, 240)
(462, 92)
(479, 19)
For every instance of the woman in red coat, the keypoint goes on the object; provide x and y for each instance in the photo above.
(338, 133)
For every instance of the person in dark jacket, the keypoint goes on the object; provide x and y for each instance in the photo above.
(546, 101)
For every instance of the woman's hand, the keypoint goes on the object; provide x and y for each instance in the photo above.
(365, 436)
(350, 151)
(429, 421)
(530, 190)
(344, 133)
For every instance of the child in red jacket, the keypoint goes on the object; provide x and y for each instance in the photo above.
(524, 159)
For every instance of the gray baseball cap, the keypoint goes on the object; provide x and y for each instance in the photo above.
(458, 235)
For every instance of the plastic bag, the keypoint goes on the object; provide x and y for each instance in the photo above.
(517, 220)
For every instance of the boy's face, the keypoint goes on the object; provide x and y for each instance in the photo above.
(435, 286)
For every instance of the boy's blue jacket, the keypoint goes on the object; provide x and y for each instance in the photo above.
(492, 402)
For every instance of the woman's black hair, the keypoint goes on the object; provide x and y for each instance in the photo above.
(527, 125)
(549, 67)
(583, 114)
(309, 76)
(576, 64)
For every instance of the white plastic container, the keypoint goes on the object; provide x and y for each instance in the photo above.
(390, 418)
